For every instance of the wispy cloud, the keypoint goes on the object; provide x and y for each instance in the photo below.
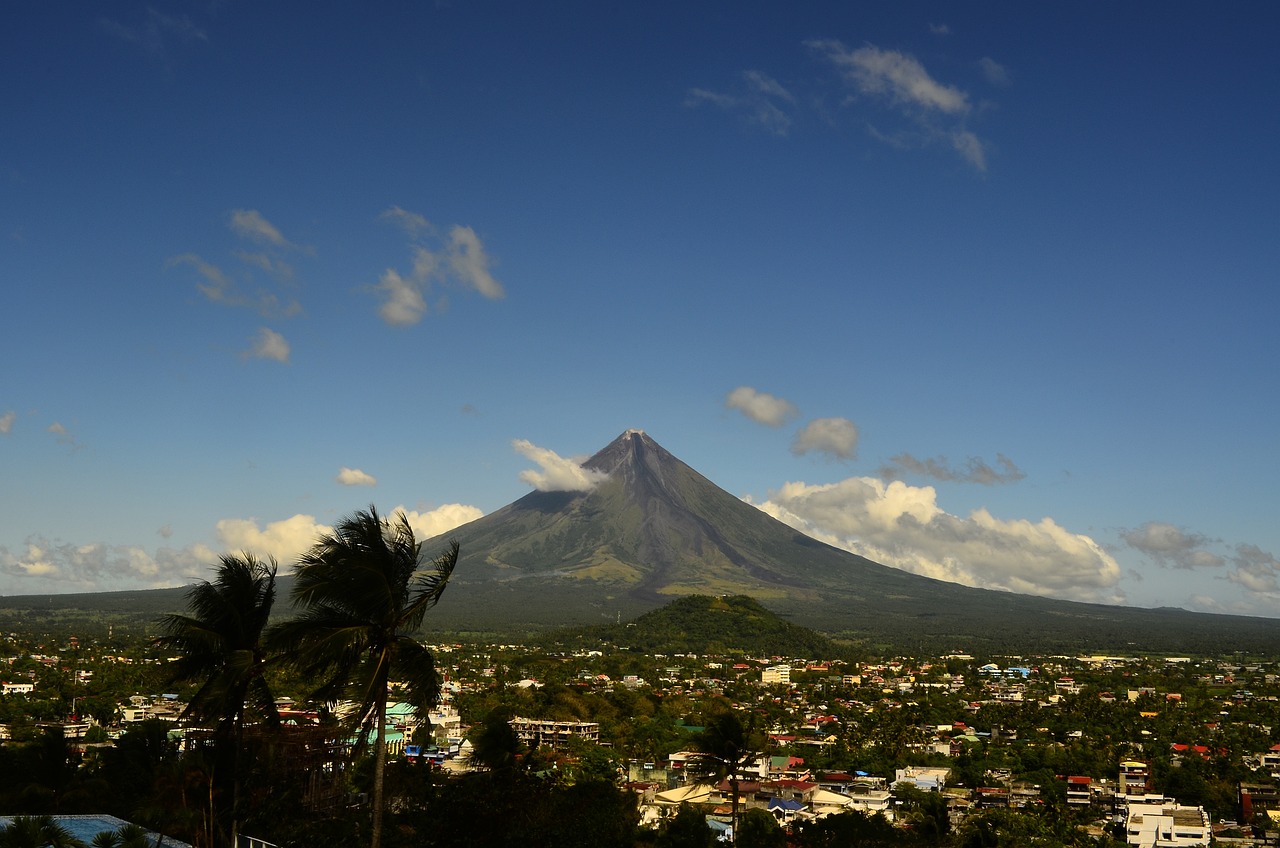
(355, 477)
(900, 82)
(6, 422)
(268, 344)
(63, 436)
(249, 224)
(903, 526)
(762, 101)
(155, 32)
(835, 437)
(994, 72)
(975, 470)
(761, 407)
(556, 473)
(460, 259)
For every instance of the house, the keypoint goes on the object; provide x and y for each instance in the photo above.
(1078, 789)
(925, 778)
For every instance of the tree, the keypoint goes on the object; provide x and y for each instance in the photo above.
(758, 829)
(363, 591)
(687, 829)
(221, 642)
(37, 832)
(727, 748)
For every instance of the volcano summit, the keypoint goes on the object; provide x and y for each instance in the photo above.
(647, 528)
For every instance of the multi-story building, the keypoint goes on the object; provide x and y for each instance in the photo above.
(540, 733)
(1166, 826)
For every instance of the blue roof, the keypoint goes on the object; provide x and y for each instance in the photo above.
(784, 804)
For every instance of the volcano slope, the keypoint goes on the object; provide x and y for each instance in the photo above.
(652, 528)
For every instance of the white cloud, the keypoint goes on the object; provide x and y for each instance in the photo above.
(268, 344)
(893, 75)
(249, 224)
(557, 473)
(761, 407)
(1168, 545)
(285, 540)
(220, 288)
(355, 477)
(470, 263)
(60, 567)
(995, 73)
(903, 526)
(440, 520)
(835, 436)
(970, 148)
(939, 468)
(403, 304)
(901, 82)
(462, 260)
(1256, 570)
(411, 222)
(758, 104)
(6, 422)
(63, 435)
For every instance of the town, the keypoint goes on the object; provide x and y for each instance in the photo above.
(955, 749)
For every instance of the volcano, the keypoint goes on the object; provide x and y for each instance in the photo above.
(652, 529)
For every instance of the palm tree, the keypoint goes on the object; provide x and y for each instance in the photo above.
(363, 591)
(221, 642)
(37, 832)
(726, 750)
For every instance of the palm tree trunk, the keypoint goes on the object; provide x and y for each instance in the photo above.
(379, 766)
(733, 814)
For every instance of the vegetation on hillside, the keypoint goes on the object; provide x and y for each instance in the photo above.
(704, 624)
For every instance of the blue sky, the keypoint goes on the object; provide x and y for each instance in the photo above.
(983, 291)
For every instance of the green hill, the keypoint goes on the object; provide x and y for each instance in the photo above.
(705, 624)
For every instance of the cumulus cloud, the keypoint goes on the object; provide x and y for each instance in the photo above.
(50, 566)
(903, 526)
(403, 303)
(1256, 570)
(1171, 546)
(761, 407)
(900, 82)
(355, 477)
(460, 260)
(762, 101)
(438, 521)
(837, 437)
(939, 468)
(268, 344)
(557, 473)
(46, 565)
(285, 539)
(6, 422)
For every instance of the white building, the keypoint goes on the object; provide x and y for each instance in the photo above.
(1166, 825)
(776, 674)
